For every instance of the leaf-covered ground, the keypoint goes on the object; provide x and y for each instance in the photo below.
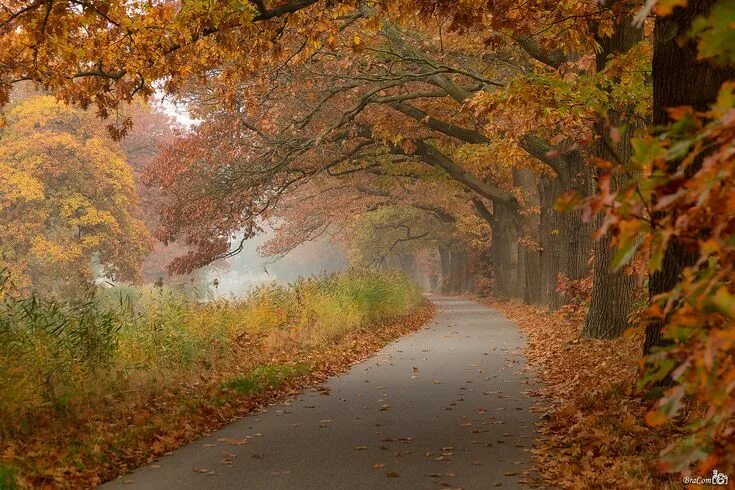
(592, 432)
(118, 435)
(445, 407)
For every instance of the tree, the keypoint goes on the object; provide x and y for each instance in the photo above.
(295, 129)
(677, 207)
(613, 290)
(408, 102)
(151, 132)
(677, 68)
(67, 199)
(107, 52)
(280, 41)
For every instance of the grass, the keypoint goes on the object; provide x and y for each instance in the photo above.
(7, 478)
(66, 365)
(264, 378)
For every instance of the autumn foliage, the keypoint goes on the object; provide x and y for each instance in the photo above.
(93, 386)
(575, 155)
(66, 196)
(699, 311)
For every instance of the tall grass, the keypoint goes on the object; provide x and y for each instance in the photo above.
(64, 357)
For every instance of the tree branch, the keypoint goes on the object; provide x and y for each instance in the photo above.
(462, 134)
(483, 212)
(542, 150)
(554, 58)
(430, 155)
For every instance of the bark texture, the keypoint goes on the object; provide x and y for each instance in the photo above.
(445, 259)
(552, 249)
(505, 252)
(613, 291)
(577, 176)
(679, 79)
(529, 256)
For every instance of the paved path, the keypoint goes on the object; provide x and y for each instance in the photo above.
(443, 407)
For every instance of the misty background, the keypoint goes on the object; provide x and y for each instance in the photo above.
(235, 276)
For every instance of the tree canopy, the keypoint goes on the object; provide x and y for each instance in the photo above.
(67, 198)
(591, 140)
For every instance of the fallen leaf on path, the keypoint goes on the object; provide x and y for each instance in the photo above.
(233, 442)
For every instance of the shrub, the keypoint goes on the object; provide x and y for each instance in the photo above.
(57, 356)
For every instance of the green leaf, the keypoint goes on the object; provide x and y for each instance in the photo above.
(659, 242)
(645, 151)
(628, 243)
(724, 302)
(715, 33)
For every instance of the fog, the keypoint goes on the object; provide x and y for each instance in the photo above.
(237, 275)
(234, 277)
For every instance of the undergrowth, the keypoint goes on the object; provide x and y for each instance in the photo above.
(111, 350)
(7, 478)
(592, 432)
(263, 378)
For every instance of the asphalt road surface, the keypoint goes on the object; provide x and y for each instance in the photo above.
(445, 407)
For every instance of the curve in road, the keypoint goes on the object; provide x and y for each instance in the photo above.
(445, 407)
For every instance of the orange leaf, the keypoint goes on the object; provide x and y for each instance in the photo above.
(655, 418)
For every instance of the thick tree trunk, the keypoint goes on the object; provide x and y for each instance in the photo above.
(453, 272)
(565, 240)
(459, 266)
(470, 272)
(575, 174)
(521, 287)
(679, 79)
(529, 256)
(500, 266)
(457, 279)
(578, 176)
(552, 249)
(612, 291)
(533, 293)
(505, 252)
(445, 258)
(613, 294)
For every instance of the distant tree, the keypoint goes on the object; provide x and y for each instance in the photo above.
(152, 131)
(67, 199)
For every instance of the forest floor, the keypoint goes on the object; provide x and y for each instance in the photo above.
(592, 432)
(445, 407)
